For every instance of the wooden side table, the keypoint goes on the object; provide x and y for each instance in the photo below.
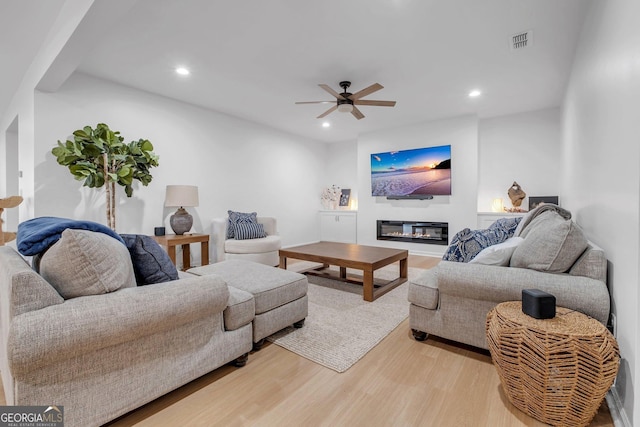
(172, 240)
(556, 370)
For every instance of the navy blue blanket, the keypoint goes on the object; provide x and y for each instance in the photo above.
(36, 235)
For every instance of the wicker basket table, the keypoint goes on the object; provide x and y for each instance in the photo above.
(556, 370)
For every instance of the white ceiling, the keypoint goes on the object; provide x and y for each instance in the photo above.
(255, 58)
(24, 24)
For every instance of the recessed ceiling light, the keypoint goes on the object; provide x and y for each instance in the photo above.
(326, 124)
(182, 71)
(474, 93)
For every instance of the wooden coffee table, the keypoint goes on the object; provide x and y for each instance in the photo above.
(347, 255)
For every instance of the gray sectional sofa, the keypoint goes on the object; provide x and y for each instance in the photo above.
(83, 335)
(452, 299)
(101, 356)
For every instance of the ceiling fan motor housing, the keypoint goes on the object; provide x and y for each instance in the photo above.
(345, 105)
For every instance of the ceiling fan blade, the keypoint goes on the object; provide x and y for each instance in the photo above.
(316, 102)
(376, 103)
(330, 110)
(331, 91)
(357, 113)
(366, 91)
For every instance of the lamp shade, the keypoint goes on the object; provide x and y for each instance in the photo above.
(181, 195)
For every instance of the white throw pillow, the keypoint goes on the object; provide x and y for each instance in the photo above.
(499, 254)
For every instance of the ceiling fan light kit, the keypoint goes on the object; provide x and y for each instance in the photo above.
(345, 107)
(346, 102)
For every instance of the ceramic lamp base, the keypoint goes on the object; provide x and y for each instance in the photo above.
(181, 221)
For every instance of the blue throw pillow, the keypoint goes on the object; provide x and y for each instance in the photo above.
(151, 264)
(239, 218)
(247, 230)
(38, 234)
(467, 243)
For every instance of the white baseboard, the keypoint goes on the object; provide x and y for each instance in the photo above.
(421, 253)
(618, 414)
(299, 244)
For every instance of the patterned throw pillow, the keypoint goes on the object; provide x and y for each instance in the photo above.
(467, 243)
(239, 218)
(151, 264)
(247, 230)
(508, 225)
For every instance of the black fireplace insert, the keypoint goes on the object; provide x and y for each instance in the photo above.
(433, 233)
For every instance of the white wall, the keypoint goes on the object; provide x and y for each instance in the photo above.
(524, 147)
(342, 168)
(22, 105)
(11, 185)
(521, 147)
(459, 209)
(236, 164)
(601, 176)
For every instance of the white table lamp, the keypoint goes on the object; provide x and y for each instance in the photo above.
(180, 196)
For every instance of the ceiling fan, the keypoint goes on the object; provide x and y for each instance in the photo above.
(346, 102)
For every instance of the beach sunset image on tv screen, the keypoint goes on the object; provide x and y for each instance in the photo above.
(421, 171)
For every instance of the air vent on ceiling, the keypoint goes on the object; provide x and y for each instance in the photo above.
(521, 40)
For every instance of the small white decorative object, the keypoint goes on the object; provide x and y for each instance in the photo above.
(330, 197)
(497, 205)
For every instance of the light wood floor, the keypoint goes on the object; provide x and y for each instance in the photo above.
(401, 382)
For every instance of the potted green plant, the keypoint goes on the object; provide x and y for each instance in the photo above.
(99, 157)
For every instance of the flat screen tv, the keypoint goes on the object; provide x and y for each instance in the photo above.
(416, 173)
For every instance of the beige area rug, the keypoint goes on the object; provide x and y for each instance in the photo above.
(341, 327)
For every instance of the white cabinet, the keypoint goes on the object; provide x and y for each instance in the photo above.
(338, 226)
(485, 219)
